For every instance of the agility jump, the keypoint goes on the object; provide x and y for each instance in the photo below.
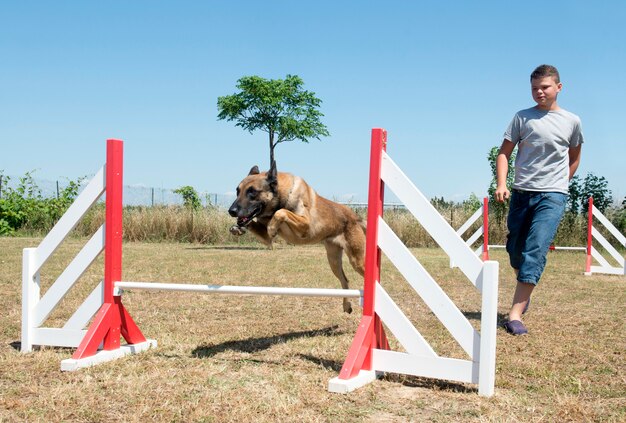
(618, 267)
(369, 354)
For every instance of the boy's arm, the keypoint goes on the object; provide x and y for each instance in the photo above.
(574, 159)
(502, 169)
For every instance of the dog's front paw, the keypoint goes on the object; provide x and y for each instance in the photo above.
(237, 230)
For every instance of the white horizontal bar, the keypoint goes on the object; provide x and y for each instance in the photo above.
(425, 366)
(571, 248)
(242, 290)
(57, 337)
(608, 270)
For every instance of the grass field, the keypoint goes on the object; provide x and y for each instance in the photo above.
(269, 359)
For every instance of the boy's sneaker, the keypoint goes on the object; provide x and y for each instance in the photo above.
(515, 327)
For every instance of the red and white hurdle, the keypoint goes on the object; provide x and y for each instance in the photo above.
(101, 342)
(617, 268)
(369, 353)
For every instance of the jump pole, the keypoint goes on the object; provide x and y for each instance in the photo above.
(238, 290)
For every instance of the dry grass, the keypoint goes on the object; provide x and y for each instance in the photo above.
(268, 359)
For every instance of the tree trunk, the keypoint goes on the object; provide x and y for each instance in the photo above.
(271, 148)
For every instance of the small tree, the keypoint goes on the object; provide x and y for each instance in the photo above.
(596, 187)
(499, 209)
(576, 197)
(191, 199)
(280, 107)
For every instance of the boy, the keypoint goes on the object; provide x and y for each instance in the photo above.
(549, 141)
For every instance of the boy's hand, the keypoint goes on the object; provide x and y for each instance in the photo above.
(502, 194)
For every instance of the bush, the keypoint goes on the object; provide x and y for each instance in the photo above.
(24, 208)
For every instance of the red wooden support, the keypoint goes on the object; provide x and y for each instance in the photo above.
(589, 235)
(370, 333)
(112, 320)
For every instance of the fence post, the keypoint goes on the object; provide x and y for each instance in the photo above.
(488, 329)
(30, 296)
(485, 229)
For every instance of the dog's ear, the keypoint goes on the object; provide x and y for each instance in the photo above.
(254, 170)
(272, 177)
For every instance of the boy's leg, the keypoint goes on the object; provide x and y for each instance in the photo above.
(520, 299)
(547, 211)
(517, 223)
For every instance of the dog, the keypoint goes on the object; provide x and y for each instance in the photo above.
(273, 203)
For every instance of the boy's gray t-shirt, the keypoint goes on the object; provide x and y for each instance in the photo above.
(543, 139)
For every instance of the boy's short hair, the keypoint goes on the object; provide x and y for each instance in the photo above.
(543, 71)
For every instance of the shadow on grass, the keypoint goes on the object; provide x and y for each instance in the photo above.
(327, 364)
(432, 384)
(252, 345)
(229, 247)
(475, 315)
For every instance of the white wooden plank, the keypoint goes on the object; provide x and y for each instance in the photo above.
(57, 337)
(600, 259)
(609, 270)
(87, 309)
(479, 250)
(343, 386)
(425, 366)
(69, 276)
(241, 289)
(607, 224)
(103, 356)
(478, 213)
(72, 216)
(401, 327)
(607, 246)
(30, 297)
(428, 289)
(430, 219)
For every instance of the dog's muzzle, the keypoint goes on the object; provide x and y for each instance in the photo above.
(243, 220)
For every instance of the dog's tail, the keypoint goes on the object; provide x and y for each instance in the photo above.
(363, 224)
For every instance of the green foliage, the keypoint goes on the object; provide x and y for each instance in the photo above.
(190, 196)
(24, 207)
(576, 197)
(499, 210)
(472, 204)
(596, 187)
(280, 107)
(441, 203)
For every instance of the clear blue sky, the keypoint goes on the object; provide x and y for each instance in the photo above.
(444, 78)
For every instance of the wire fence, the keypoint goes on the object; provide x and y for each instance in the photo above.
(149, 196)
(132, 195)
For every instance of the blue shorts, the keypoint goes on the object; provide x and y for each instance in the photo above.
(533, 220)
